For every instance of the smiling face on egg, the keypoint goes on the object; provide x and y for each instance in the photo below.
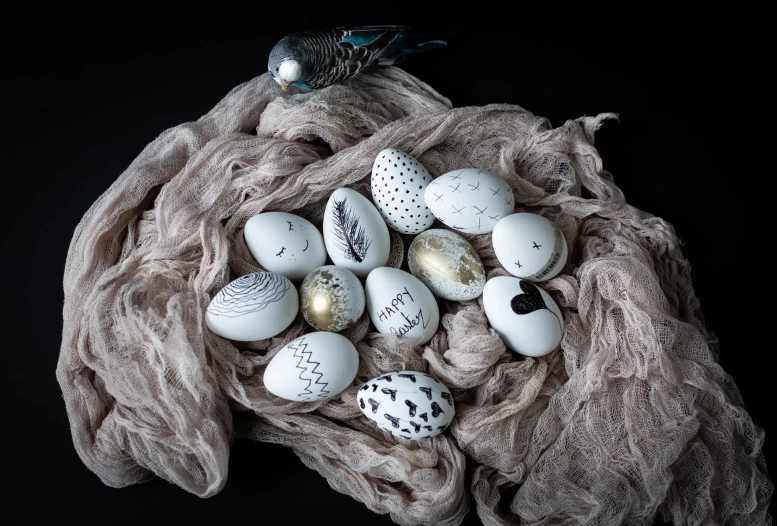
(285, 243)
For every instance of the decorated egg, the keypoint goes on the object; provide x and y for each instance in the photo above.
(285, 243)
(407, 404)
(331, 298)
(469, 200)
(529, 246)
(525, 316)
(256, 306)
(355, 235)
(399, 303)
(398, 183)
(447, 264)
(313, 367)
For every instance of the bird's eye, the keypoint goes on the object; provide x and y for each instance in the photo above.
(276, 69)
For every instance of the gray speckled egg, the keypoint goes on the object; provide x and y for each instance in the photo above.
(331, 298)
(447, 264)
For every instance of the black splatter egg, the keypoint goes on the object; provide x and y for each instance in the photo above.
(408, 404)
(398, 182)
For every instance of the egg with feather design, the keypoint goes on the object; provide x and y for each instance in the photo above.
(355, 235)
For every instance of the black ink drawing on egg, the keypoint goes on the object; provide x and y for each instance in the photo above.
(425, 416)
(411, 377)
(391, 392)
(375, 404)
(386, 377)
(427, 390)
(530, 301)
(447, 396)
(394, 420)
(412, 407)
(350, 236)
(361, 403)
(417, 427)
(405, 430)
(250, 293)
(430, 428)
(374, 387)
(436, 410)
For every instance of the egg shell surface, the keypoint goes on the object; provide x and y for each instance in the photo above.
(316, 366)
(253, 307)
(399, 303)
(469, 200)
(355, 234)
(285, 243)
(529, 246)
(447, 264)
(525, 316)
(408, 404)
(398, 182)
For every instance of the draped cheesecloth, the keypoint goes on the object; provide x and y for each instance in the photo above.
(631, 419)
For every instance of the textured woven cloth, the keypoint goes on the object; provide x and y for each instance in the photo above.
(631, 419)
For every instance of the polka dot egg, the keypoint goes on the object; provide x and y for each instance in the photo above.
(398, 182)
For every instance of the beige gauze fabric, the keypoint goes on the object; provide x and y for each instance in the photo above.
(631, 419)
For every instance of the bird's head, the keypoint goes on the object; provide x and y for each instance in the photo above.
(285, 72)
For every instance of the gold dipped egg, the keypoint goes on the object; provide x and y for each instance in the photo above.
(331, 298)
(447, 264)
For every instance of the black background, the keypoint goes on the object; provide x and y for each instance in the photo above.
(82, 98)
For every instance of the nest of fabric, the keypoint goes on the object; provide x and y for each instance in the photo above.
(631, 418)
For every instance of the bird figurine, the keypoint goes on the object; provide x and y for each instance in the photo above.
(317, 58)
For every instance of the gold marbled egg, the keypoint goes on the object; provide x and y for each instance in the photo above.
(331, 298)
(447, 264)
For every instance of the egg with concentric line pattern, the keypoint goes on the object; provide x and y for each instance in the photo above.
(398, 182)
(408, 404)
(256, 306)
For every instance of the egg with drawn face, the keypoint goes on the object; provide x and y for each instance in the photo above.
(285, 243)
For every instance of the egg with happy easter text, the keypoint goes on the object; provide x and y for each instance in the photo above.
(285, 243)
(525, 316)
(399, 303)
(253, 307)
(331, 298)
(398, 182)
(355, 235)
(447, 264)
(529, 246)
(314, 367)
(469, 200)
(407, 404)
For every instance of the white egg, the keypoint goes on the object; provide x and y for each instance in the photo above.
(398, 183)
(355, 235)
(313, 367)
(447, 264)
(469, 200)
(529, 246)
(407, 404)
(525, 316)
(256, 306)
(399, 303)
(285, 243)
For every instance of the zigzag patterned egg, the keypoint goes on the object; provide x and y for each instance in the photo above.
(407, 404)
(313, 367)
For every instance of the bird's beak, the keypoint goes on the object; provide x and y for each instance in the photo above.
(284, 86)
